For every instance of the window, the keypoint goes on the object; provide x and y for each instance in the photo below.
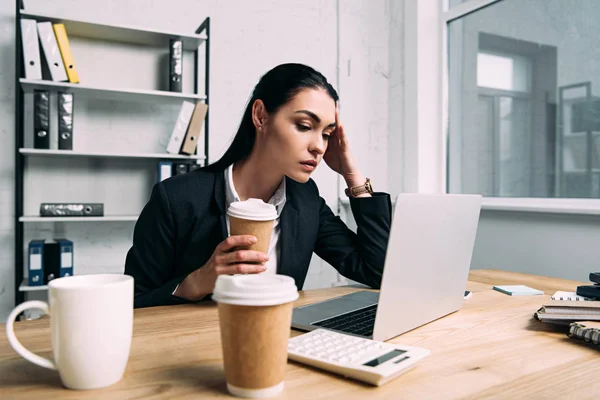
(503, 71)
(453, 3)
(524, 99)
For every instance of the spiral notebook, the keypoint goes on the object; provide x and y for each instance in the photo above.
(588, 331)
(570, 296)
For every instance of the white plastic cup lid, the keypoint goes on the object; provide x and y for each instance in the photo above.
(252, 209)
(255, 289)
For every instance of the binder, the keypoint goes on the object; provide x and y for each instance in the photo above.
(175, 65)
(165, 170)
(51, 52)
(180, 168)
(180, 128)
(65, 121)
(65, 52)
(72, 209)
(192, 137)
(66, 257)
(36, 263)
(193, 167)
(31, 49)
(51, 261)
(41, 119)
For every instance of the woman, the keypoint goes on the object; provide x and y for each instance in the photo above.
(180, 241)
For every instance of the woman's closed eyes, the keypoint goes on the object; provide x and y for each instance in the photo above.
(303, 128)
(306, 128)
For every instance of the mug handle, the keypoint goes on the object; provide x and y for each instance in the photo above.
(14, 342)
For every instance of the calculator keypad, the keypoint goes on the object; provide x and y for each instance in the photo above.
(334, 347)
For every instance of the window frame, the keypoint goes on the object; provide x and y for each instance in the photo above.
(520, 204)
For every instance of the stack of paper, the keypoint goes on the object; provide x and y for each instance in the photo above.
(517, 290)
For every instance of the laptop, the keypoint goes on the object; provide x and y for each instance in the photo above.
(424, 277)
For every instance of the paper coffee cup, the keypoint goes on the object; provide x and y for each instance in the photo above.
(255, 316)
(252, 217)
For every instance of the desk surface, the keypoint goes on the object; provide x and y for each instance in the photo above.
(491, 348)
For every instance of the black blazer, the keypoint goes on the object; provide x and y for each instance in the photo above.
(184, 221)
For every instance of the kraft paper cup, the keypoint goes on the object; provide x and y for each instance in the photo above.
(252, 217)
(255, 314)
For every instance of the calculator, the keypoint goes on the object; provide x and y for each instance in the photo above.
(354, 357)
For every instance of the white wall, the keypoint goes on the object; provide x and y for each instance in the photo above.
(247, 39)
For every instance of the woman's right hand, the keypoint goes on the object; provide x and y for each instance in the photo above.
(227, 259)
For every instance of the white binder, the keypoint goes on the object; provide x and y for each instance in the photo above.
(52, 52)
(181, 126)
(31, 49)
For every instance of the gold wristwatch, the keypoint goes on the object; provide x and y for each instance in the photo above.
(358, 190)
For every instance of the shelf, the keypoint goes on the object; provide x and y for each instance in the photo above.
(110, 218)
(118, 33)
(71, 153)
(23, 287)
(29, 85)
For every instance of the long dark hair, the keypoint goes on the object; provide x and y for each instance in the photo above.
(275, 89)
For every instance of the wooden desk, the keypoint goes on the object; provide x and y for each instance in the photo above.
(491, 348)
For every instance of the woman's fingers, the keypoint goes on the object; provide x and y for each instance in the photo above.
(240, 269)
(235, 241)
(242, 257)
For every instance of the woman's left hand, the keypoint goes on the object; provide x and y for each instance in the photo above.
(339, 158)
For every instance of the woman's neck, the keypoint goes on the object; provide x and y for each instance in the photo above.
(252, 178)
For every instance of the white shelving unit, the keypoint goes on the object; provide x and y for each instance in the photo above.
(71, 153)
(29, 85)
(24, 287)
(109, 218)
(118, 33)
(48, 164)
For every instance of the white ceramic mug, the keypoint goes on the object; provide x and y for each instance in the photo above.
(91, 322)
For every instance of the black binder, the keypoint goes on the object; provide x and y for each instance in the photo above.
(65, 121)
(72, 209)
(51, 261)
(41, 119)
(180, 168)
(175, 64)
(193, 167)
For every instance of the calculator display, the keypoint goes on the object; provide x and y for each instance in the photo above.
(383, 358)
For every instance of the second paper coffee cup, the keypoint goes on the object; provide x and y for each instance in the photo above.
(255, 315)
(252, 217)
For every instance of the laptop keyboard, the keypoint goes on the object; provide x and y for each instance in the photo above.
(359, 322)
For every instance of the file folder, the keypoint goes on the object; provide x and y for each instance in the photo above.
(65, 121)
(51, 261)
(180, 168)
(72, 209)
(193, 167)
(41, 119)
(36, 263)
(181, 126)
(192, 137)
(65, 52)
(51, 52)
(175, 65)
(165, 170)
(66, 257)
(31, 49)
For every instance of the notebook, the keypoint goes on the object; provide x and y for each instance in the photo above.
(570, 296)
(564, 311)
(588, 331)
(517, 290)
